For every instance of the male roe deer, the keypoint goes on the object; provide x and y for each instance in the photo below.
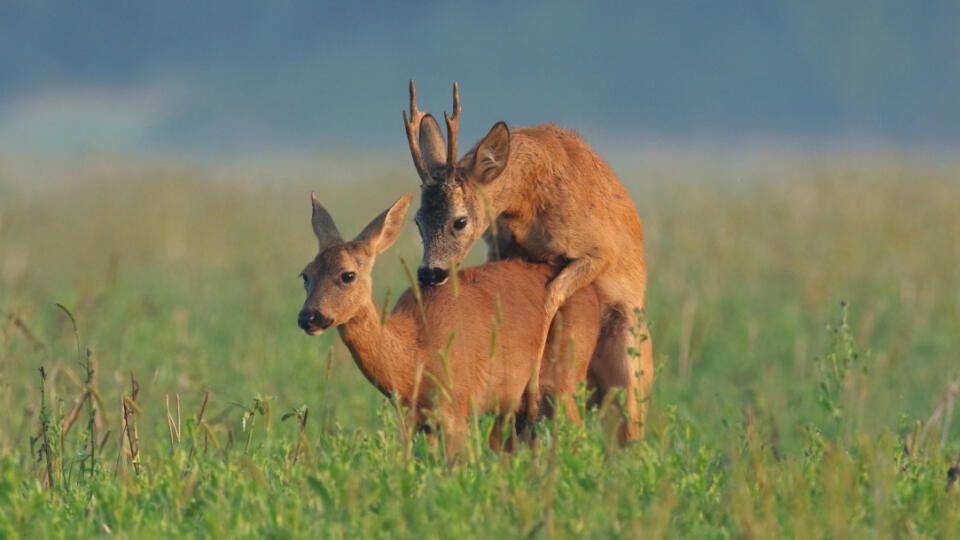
(402, 353)
(555, 201)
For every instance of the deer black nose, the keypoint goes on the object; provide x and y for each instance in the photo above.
(431, 276)
(311, 319)
(424, 275)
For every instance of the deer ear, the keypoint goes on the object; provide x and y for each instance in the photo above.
(382, 232)
(432, 145)
(491, 155)
(323, 226)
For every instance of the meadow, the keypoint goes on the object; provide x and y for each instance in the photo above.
(804, 311)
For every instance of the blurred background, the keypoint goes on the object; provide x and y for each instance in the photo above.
(156, 160)
(224, 77)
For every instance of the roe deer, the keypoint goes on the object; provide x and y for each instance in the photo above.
(554, 201)
(444, 359)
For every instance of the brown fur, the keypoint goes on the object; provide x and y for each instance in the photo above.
(481, 376)
(557, 202)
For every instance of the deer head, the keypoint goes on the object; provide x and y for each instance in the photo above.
(452, 216)
(337, 281)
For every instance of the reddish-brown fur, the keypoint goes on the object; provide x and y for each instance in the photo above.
(484, 374)
(555, 201)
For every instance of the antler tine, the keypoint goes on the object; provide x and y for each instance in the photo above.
(412, 126)
(452, 124)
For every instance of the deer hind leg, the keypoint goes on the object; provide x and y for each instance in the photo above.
(511, 445)
(612, 367)
(525, 431)
(553, 403)
(496, 435)
(570, 408)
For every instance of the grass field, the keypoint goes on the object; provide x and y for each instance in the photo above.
(777, 411)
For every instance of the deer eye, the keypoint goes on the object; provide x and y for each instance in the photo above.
(460, 223)
(305, 281)
(348, 277)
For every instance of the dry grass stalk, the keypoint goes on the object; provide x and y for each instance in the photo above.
(71, 417)
(687, 314)
(206, 396)
(303, 430)
(45, 449)
(122, 455)
(17, 322)
(329, 362)
(173, 427)
(130, 410)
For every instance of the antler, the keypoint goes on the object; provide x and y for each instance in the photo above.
(413, 134)
(452, 124)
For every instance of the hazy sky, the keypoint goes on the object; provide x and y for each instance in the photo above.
(242, 74)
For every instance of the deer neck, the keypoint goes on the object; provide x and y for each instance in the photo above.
(384, 353)
(514, 193)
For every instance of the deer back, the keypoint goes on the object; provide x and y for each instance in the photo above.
(495, 318)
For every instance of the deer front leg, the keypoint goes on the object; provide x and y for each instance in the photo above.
(454, 430)
(575, 275)
(497, 442)
(501, 246)
(496, 434)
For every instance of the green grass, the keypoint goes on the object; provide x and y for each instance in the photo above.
(776, 412)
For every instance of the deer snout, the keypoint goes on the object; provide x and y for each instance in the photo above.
(432, 276)
(313, 322)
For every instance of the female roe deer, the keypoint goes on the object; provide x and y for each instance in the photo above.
(483, 371)
(555, 201)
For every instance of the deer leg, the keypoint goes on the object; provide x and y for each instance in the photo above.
(522, 420)
(502, 245)
(510, 444)
(496, 434)
(548, 407)
(453, 430)
(613, 367)
(432, 442)
(454, 438)
(570, 407)
(553, 403)
(594, 392)
(576, 274)
(525, 431)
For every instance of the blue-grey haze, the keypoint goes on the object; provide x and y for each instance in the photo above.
(243, 74)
